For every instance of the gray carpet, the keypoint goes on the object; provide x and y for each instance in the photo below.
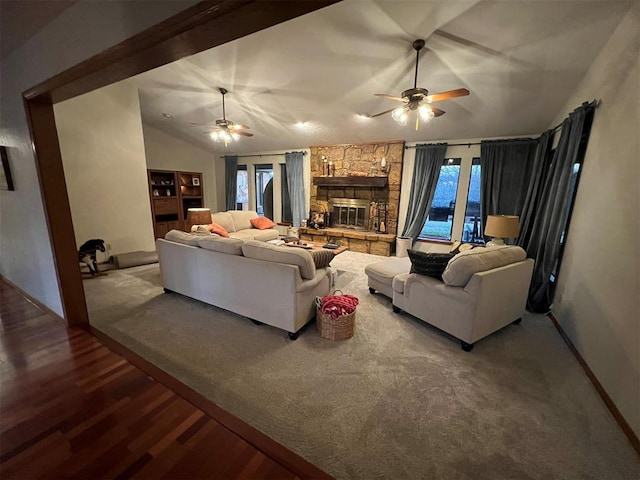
(398, 400)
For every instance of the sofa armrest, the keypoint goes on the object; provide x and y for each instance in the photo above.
(321, 274)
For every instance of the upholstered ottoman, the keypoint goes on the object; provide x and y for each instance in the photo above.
(380, 275)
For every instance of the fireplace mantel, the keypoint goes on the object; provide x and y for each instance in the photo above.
(350, 181)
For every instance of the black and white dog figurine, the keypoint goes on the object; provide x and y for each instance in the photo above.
(87, 254)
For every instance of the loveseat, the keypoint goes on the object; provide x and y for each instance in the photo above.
(238, 224)
(481, 291)
(269, 284)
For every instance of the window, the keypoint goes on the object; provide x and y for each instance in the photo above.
(264, 190)
(439, 223)
(287, 215)
(457, 180)
(472, 230)
(242, 188)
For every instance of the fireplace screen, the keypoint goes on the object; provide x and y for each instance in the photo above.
(349, 213)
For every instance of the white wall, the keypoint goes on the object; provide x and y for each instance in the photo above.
(166, 152)
(255, 158)
(597, 301)
(102, 148)
(85, 29)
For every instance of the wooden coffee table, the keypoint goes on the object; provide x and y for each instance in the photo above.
(316, 246)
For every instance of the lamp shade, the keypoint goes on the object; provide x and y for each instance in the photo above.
(502, 226)
(199, 216)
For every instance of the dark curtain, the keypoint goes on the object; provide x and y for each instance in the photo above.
(429, 159)
(505, 171)
(231, 180)
(542, 240)
(533, 195)
(295, 182)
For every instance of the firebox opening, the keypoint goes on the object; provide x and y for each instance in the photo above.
(349, 213)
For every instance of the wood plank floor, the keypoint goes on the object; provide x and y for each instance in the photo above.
(72, 408)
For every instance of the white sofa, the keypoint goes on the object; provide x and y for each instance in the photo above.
(269, 284)
(238, 224)
(481, 291)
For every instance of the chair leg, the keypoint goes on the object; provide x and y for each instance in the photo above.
(466, 346)
(293, 336)
(517, 322)
(396, 309)
(372, 290)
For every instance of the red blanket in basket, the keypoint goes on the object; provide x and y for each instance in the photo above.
(338, 305)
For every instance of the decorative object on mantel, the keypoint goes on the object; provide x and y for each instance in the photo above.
(418, 98)
(500, 227)
(325, 168)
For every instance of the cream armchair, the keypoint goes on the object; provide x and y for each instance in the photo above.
(482, 291)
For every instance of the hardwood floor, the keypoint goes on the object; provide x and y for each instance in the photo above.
(72, 408)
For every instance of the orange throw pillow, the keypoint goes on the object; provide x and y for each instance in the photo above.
(262, 223)
(214, 227)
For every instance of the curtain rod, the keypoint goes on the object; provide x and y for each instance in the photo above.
(260, 155)
(595, 103)
(448, 145)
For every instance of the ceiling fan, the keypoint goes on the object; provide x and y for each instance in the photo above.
(225, 130)
(418, 98)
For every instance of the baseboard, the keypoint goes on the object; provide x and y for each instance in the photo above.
(626, 428)
(36, 302)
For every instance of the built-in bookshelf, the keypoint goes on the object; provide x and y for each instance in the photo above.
(172, 193)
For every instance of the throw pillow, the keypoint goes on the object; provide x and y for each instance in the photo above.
(214, 227)
(322, 258)
(262, 223)
(458, 247)
(430, 264)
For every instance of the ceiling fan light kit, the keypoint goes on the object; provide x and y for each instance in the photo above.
(225, 130)
(418, 98)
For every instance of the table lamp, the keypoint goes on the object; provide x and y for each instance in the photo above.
(198, 216)
(501, 226)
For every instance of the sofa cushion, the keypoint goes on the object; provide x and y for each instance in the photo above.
(462, 267)
(427, 263)
(225, 220)
(265, 235)
(272, 253)
(242, 218)
(262, 223)
(231, 246)
(179, 236)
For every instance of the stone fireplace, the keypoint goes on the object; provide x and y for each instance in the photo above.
(360, 193)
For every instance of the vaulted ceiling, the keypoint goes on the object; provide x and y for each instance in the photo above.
(310, 81)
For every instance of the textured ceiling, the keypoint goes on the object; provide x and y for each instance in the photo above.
(305, 81)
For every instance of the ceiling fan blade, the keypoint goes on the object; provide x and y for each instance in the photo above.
(438, 97)
(382, 113)
(243, 133)
(390, 97)
(203, 125)
(437, 112)
(239, 127)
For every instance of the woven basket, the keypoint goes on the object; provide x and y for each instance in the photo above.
(340, 328)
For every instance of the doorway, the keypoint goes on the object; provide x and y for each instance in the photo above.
(201, 27)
